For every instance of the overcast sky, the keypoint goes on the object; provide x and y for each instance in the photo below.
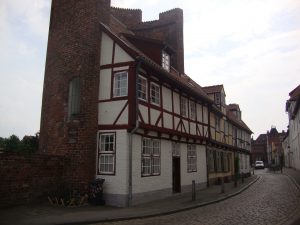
(250, 46)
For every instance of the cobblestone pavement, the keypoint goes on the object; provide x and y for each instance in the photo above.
(272, 200)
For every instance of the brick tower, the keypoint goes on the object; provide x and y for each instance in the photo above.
(69, 109)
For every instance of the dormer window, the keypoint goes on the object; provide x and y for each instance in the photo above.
(166, 61)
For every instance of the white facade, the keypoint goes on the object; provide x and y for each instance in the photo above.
(294, 138)
(141, 119)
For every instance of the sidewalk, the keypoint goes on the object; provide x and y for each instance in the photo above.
(43, 214)
(295, 177)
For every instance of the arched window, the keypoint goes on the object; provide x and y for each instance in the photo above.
(74, 98)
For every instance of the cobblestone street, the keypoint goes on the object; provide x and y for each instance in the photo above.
(271, 200)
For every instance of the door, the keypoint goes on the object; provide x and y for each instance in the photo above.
(176, 175)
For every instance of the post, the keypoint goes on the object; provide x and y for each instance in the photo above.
(242, 177)
(222, 185)
(193, 190)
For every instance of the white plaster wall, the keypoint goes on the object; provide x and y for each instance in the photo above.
(108, 112)
(121, 55)
(199, 112)
(193, 128)
(176, 103)
(168, 122)
(167, 98)
(118, 183)
(154, 116)
(152, 183)
(106, 49)
(205, 115)
(186, 125)
(144, 112)
(176, 121)
(105, 84)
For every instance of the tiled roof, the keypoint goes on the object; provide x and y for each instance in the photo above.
(213, 89)
(237, 122)
(294, 94)
(182, 80)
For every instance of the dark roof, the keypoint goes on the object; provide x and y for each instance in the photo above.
(237, 122)
(294, 94)
(233, 107)
(183, 80)
(213, 89)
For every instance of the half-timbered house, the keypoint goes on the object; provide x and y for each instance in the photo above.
(156, 129)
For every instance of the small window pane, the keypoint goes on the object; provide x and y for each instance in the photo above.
(120, 84)
(155, 93)
(142, 88)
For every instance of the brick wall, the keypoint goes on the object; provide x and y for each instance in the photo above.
(26, 179)
(73, 51)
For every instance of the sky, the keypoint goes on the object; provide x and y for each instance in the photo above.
(252, 47)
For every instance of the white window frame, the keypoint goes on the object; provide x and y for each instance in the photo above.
(165, 61)
(120, 84)
(154, 93)
(150, 157)
(191, 158)
(183, 106)
(193, 110)
(107, 153)
(142, 88)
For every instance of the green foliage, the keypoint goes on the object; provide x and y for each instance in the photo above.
(29, 144)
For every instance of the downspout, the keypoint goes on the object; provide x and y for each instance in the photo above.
(131, 134)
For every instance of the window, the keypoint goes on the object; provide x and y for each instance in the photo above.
(120, 84)
(150, 157)
(219, 161)
(166, 61)
(183, 106)
(74, 98)
(193, 110)
(175, 149)
(107, 153)
(155, 93)
(211, 160)
(225, 162)
(191, 158)
(142, 88)
(217, 98)
(217, 124)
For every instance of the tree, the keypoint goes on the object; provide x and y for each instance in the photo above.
(12, 143)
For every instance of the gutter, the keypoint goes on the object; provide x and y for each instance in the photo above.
(130, 149)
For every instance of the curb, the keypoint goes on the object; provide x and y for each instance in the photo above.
(167, 212)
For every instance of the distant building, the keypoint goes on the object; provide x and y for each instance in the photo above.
(259, 149)
(292, 140)
(268, 147)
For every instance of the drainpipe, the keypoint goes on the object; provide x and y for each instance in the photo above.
(131, 134)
